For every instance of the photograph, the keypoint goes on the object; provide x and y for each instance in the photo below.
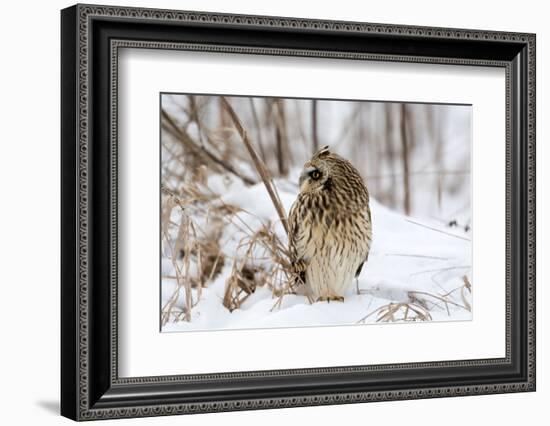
(289, 212)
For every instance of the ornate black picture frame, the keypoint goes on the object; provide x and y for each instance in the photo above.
(91, 36)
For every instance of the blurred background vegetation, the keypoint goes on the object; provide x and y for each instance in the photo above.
(415, 158)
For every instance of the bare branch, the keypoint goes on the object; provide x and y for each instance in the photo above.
(202, 151)
(405, 158)
(315, 137)
(258, 128)
(281, 137)
(258, 163)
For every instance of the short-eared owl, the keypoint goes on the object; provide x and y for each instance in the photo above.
(330, 226)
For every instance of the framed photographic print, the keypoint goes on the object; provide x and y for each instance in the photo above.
(263, 212)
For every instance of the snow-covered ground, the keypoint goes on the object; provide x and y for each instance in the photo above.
(417, 270)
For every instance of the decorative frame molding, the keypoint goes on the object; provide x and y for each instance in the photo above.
(91, 37)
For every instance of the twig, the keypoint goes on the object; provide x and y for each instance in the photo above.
(281, 137)
(405, 156)
(467, 286)
(437, 230)
(203, 151)
(195, 117)
(387, 313)
(416, 255)
(258, 128)
(439, 270)
(314, 135)
(348, 127)
(423, 293)
(258, 163)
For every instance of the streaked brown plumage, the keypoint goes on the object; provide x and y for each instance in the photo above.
(330, 226)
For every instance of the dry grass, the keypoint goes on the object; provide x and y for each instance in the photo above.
(197, 252)
(420, 304)
(246, 274)
(444, 300)
(262, 261)
(192, 246)
(402, 312)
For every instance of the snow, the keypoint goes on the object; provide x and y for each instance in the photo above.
(412, 261)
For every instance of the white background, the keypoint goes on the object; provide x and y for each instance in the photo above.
(146, 352)
(29, 227)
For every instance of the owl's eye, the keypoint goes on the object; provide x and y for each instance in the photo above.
(315, 174)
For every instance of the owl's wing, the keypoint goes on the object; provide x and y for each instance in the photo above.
(297, 232)
(296, 239)
(293, 229)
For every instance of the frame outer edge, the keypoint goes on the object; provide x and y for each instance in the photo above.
(80, 207)
(69, 193)
(531, 201)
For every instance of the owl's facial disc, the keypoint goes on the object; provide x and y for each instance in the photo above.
(310, 178)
